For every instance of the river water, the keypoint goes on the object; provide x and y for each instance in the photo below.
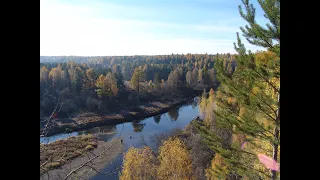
(132, 133)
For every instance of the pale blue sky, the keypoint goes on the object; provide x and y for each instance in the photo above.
(139, 27)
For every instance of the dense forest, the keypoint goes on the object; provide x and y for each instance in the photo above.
(98, 83)
(237, 135)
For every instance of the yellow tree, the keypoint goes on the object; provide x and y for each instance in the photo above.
(209, 118)
(107, 85)
(137, 77)
(175, 162)
(139, 164)
(55, 76)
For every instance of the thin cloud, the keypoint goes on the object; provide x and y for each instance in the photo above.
(67, 29)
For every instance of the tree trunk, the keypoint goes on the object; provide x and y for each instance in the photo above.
(275, 144)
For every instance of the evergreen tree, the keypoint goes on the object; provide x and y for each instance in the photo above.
(120, 82)
(248, 100)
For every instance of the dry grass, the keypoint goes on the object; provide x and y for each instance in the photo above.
(57, 153)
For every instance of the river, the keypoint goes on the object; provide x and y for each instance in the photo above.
(133, 132)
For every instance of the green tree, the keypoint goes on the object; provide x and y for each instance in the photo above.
(156, 81)
(137, 77)
(120, 81)
(248, 100)
(76, 77)
(107, 85)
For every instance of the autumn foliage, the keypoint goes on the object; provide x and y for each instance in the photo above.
(173, 162)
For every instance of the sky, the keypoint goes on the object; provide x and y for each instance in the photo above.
(140, 27)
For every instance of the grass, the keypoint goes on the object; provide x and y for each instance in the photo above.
(55, 154)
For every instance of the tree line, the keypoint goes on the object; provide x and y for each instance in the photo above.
(100, 82)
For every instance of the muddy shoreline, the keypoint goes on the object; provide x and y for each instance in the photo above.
(89, 120)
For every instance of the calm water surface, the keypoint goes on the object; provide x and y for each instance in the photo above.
(177, 117)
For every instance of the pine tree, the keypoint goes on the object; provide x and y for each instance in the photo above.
(120, 82)
(248, 100)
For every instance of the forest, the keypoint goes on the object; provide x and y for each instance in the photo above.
(237, 135)
(97, 84)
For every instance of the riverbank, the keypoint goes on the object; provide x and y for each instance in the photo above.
(89, 120)
(107, 151)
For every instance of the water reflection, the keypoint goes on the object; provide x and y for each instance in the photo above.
(174, 113)
(157, 119)
(110, 129)
(194, 104)
(138, 126)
